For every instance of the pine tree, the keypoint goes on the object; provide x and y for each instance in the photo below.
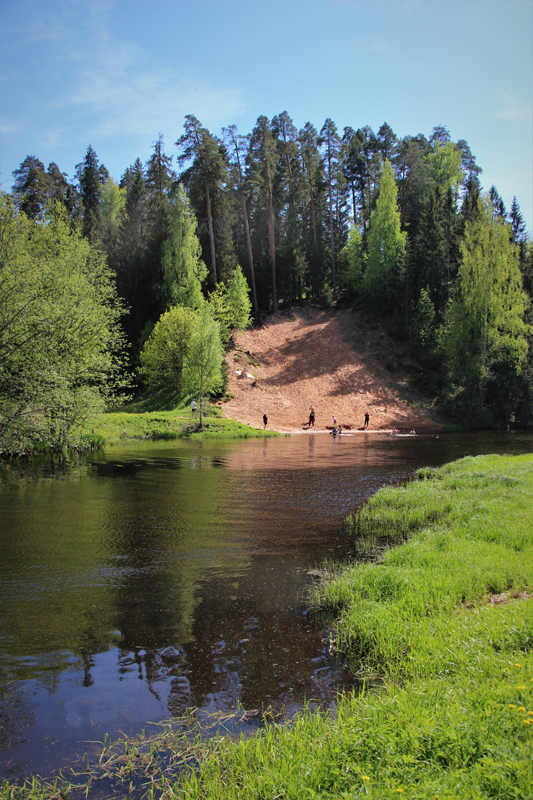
(208, 170)
(288, 198)
(160, 176)
(497, 202)
(440, 134)
(387, 143)
(330, 140)
(135, 282)
(31, 186)
(311, 168)
(468, 161)
(90, 179)
(159, 184)
(237, 143)
(518, 226)
(262, 160)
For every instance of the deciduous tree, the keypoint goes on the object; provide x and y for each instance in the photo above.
(61, 345)
(163, 359)
(204, 362)
(386, 245)
(486, 319)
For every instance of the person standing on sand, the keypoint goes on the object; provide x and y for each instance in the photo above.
(367, 420)
(265, 419)
(311, 417)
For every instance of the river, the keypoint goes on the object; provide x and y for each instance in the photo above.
(142, 581)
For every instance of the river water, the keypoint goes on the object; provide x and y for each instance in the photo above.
(145, 580)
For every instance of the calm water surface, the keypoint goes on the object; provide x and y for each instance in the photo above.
(143, 581)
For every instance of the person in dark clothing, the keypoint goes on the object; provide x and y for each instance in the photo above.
(265, 419)
(367, 420)
(311, 417)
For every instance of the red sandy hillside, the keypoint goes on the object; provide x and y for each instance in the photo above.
(298, 359)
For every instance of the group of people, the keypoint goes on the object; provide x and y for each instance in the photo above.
(336, 428)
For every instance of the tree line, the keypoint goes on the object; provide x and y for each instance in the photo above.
(397, 226)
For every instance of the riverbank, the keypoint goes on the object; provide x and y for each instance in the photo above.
(128, 426)
(439, 627)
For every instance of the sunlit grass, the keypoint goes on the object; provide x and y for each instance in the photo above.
(130, 425)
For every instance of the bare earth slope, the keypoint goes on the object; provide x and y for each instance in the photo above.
(298, 359)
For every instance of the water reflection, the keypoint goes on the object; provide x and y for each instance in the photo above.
(148, 580)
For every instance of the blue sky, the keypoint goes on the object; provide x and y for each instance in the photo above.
(116, 74)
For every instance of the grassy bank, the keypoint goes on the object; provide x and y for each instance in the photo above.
(134, 424)
(441, 629)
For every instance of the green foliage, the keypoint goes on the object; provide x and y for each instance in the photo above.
(163, 359)
(219, 304)
(239, 300)
(184, 353)
(486, 319)
(205, 179)
(60, 340)
(445, 166)
(204, 362)
(386, 244)
(113, 207)
(90, 176)
(231, 305)
(424, 326)
(280, 205)
(183, 268)
(352, 261)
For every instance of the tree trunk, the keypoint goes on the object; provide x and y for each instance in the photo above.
(246, 225)
(272, 250)
(333, 273)
(211, 238)
(312, 211)
(250, 257)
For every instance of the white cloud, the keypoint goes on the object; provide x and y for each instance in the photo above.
(136, 102)
(9, 126)
(513, 108)
(123, 91)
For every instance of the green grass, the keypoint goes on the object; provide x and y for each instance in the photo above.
(132, 424)
(447, 709)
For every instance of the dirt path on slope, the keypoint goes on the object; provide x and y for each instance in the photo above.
(299, 358)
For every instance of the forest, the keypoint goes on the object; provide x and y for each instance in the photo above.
(238, 226)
